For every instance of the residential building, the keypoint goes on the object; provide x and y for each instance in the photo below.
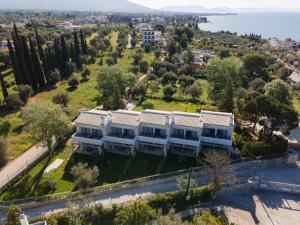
(69, 26)
(294, 78)
(151, 36)
(152, 132)
(201, 57)
(123, 129)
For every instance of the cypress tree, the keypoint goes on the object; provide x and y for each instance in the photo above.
(73, 55)
(17, 72)
(64, 53)
(37, 65)
(20, 57)
(41, 51)
(82, 42)
(58, 55)
(3, 86)
(29, 64)
(76, 49)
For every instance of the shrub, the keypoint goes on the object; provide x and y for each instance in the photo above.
(84, 176)
(144, 66)
(73, 82)
(84, 60)
(3, 152)
(148, 105)
(255, 149)
(110, 61)
(4, 127)
(13, 102)
(25, 92)
(169, 91)
(70, 68)
(49, 186)
(85, 73)
(61, 98)
(54, 76)
(134, 69)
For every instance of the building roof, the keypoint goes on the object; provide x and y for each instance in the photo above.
(187, 119)
(155, 117)
(92, 117)
(295, 77)
(124, 117)
(217, 118)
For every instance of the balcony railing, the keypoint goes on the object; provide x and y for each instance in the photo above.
(125, 136)
(153, 135)
(216, 136)
(185, 138)
(88, 136)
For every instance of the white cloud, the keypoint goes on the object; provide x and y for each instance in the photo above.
(221, 3)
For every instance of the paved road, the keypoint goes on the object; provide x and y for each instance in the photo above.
(13, 168)
(125, 195)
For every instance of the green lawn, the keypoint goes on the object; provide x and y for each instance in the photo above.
(113, 168)
(296, 103)
(185, 104)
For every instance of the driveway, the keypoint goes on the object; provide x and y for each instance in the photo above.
(15, 167)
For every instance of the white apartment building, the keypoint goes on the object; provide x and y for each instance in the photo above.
(152, 132)
(151, 36)
(69, 26)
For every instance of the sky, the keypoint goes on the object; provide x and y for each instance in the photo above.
(222, 3)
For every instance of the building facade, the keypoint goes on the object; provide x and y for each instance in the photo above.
(152, 132)
(151, 36)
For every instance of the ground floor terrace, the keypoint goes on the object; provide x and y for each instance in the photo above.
(151, 148)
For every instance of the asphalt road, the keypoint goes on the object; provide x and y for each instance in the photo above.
(290, 174)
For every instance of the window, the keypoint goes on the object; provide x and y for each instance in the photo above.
(223, 134)
(85, 131)
(160, 133)
(96, 133)
(128, 133)
(191, 135)
(116, 131)
(178, 133)
(147, 131)
(209, 132)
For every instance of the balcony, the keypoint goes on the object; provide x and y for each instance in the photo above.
(215, 140)
(184, 141)
(158, 139)
(87, 139)
(121, 139)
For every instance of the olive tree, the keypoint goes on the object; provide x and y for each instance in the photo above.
(47, 122)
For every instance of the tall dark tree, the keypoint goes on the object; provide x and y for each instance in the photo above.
(37, 65)
(76, 49)
(3, 86)
(83, 43)
(17, 72)
(29, 64)
(20, 57)
(73, 55)
(58, 55)
(64, 53)
(41, 51)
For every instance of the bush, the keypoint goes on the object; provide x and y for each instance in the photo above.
(4, 127)
(169, 91)
(61, 98)
(49, 186)
(255, 149)
(54, 76)
(85, 73)
(143, 67)
(148, 105)
(73, 82)
(84, 176)
(134, 69)
(84, 60)
(3, 152)
(70, 68)
(25, 92)
(13, 102)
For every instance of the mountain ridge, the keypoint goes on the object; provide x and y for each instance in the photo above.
(80, 5)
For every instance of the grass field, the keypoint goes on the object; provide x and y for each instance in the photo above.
(113, 168)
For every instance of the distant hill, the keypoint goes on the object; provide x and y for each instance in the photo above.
(197, 9)
(82, 5)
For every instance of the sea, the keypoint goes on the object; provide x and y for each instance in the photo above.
(279, 25)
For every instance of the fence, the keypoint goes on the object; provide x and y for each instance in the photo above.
(279, 187)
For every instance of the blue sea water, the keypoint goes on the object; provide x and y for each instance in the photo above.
(269, 25)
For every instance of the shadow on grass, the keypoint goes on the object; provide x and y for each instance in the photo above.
(115, 168)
